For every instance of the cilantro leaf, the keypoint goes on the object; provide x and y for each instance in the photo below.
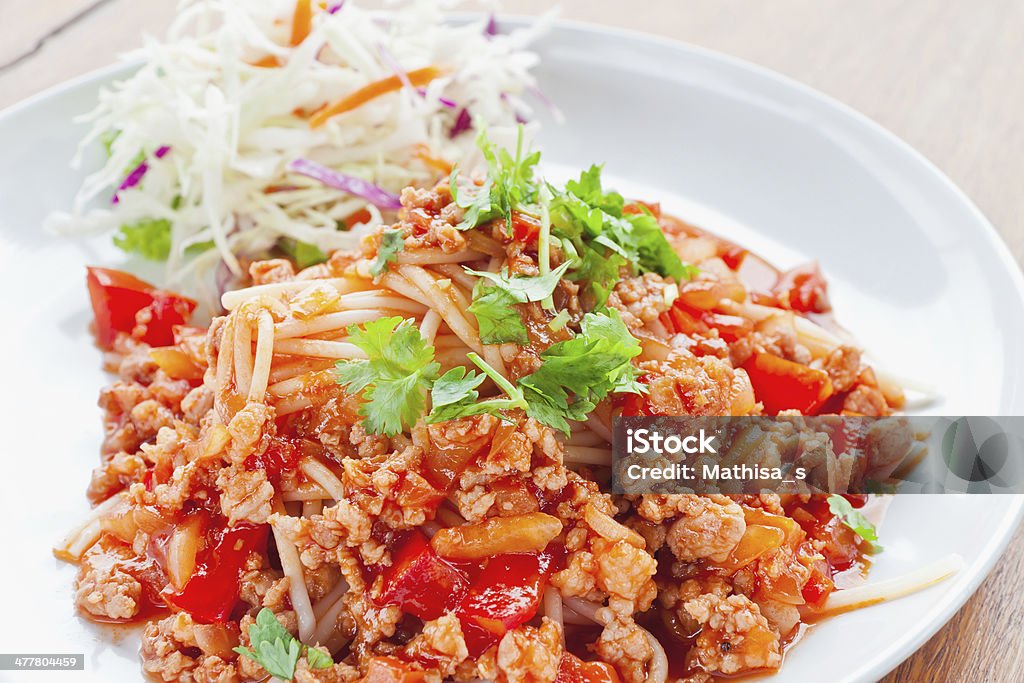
(149, 238)
(496, 315)
(595, 219)
(392, 241)
(273, 647)
(600, 271)
(851, 517)
(394, 380)
(509, 183)
(494, 306)
(277, 650)
(525, 288)
(578, 373)
(455, 393)
(454, 386)
(303, 253)
(318, 659)
(548, 402)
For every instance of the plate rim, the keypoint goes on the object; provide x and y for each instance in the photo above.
(951, 603)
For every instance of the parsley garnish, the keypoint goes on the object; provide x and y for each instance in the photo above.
(392, 241)
(278, 651)
(395, 379)
(853, 518)
(578, 373)
(455, 394)
(509, 184)
(149, 238)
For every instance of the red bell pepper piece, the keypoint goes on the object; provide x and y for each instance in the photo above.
(122, 302)
(572, 669)
(525, 228)
(419, 581)
(781, 384)
(504, 596)
(803, 289)
(212, 591)
(282, 454)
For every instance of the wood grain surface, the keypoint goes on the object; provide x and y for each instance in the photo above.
(943, 75)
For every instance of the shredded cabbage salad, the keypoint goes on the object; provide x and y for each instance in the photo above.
(260, 125)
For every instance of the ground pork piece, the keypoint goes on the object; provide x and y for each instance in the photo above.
(529, 655)
(271, 270)
(248, 428)
(687, 385)
(245, 495)
(115, 474)
(843, 367)
(136, 365)
(639, 299)
(624, 645)
(866, 400)
(392, 489)
(707, 527)
(441, 643)
(735, 637)
(886, 443)
(625, 571)
(188, 481)
(579, 578)
(177, 649)
(674, 596)
(425, 222)
(104, 588)
(769, 502)
(263, 587)
(149, 417)
(197, 403)
(339, 673)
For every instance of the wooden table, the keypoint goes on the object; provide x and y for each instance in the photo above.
(944, 76)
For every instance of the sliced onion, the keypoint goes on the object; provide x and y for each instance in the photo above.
(336, 7)
(491, 29)
(374, 194)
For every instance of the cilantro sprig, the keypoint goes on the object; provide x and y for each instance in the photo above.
(278, 651)
(605, 237)
(392, 241)
(494, 304)
(576, 374)
(852, 517)
(455, 394)
(400, 369)
(509, 183)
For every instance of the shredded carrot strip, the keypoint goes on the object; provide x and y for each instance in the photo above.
(302, 21)
(267, 62)
(418, 78)
(424, 154)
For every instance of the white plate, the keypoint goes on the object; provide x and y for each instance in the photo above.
(917, 272)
